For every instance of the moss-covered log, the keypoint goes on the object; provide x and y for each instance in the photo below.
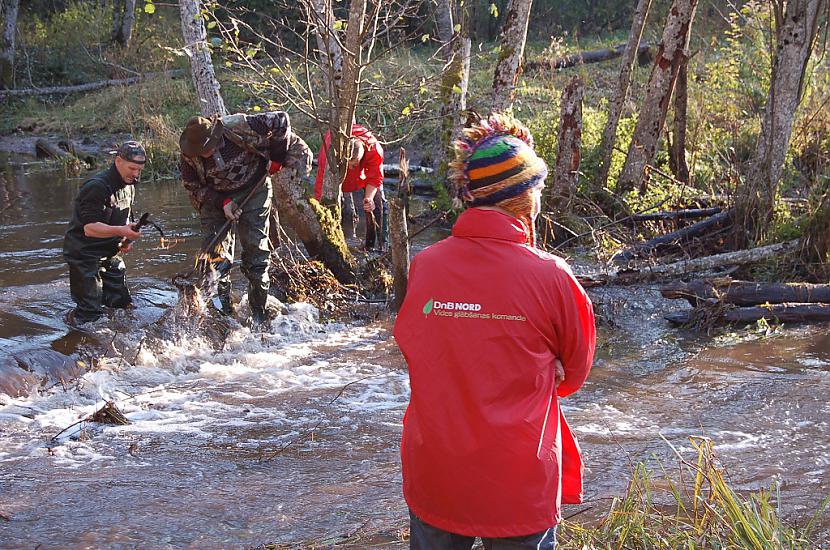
(316, 225)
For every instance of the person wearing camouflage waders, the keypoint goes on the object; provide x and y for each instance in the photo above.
(223, 160)
(98, 232)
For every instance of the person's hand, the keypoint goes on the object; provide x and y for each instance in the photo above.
(559, 375)
(125, 246)
(129, 232)
(232, 211)
(368, 205)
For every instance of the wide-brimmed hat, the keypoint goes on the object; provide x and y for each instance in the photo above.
(200, 135)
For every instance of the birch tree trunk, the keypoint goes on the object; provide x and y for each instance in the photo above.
(201, 65)
(9, 9)
(344, 102)
(123, 20)
(511, 51)
(569, 147)
(609, 135)
(794, 45)
(444, 22)
(671, 53)
(331, 58)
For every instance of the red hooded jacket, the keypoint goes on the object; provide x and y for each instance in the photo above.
(485, 449)
(368, 172)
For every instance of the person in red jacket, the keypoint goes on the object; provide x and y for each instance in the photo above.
(365, 172)
(494, 332)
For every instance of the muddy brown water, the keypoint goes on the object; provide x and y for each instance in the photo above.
(293, 438)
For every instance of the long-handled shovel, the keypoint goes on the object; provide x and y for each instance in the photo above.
(184, 280)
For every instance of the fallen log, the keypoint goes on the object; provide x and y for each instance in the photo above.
(782, 313)
(675, 238)
(420, 186)
(644, 57)
(746, 293)
(88, 87)
(697, 265)
(44, 149)
(687, 214)
(75, 149)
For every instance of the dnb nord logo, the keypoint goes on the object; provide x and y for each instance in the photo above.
(435, 305)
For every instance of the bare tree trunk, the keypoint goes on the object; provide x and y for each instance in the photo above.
(671, 54)
(677, 147)
(453, 95)
(511, 51)
(399, 234)
(569, 148)
(201, 65)
(444, 22)
(331, 58)
(794, 44)
(9, 9)
(609, 135)
(123, 20)
(344, 103)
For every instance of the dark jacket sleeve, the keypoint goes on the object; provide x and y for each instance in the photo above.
(373, 165)
(276, 126)
(93, 201)
(299, 155)
(199, 194)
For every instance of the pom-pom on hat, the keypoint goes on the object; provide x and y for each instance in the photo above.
(495, 161)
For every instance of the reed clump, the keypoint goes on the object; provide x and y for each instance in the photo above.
(699, 510)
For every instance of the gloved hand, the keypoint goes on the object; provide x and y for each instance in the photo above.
(231, 210)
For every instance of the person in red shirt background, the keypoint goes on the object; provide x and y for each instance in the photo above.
(365, 172)
(494, 332)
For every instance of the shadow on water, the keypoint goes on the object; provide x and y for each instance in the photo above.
(292, 436)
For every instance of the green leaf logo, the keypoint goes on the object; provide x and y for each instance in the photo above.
(428, 307)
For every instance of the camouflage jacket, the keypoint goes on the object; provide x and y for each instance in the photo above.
(241, 160)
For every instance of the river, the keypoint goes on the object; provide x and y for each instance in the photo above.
(291, 437)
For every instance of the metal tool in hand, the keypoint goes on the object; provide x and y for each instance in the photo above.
(143, 221)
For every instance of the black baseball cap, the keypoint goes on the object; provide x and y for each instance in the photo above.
(132, 151)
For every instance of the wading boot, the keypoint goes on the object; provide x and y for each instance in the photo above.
(257, 300)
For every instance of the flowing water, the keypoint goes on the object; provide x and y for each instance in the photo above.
(292, 436)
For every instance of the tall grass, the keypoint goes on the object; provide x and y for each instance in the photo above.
(700, 510)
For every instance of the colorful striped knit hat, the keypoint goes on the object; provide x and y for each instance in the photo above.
(495, 165)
